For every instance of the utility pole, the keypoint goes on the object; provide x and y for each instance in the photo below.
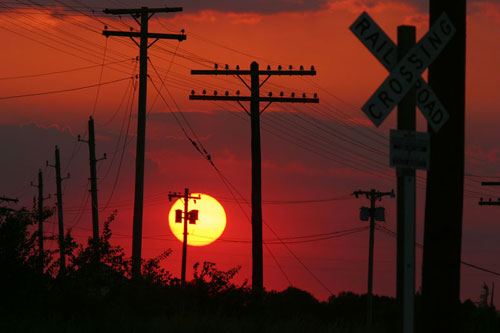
(192, 216)
(40, 218)
(406, 191)
(489, 202)
(445, 179)
(255, 111)
(62, 250)
(144, 14)
(373, 213)
(93, 178)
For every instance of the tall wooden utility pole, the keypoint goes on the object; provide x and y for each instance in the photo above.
(445, 180)
(190, 216)
(93, 178)
(255, 98)
(373, 196)
(40, 219)
(62, 251)
(406, 192)
(144, 13)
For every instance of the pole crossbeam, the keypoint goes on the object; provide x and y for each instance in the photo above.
(8, 199)
(489, 202)
(137, 11)
(186, 196)
(249, 72)
(490, 183)
(373, 196)
(249, 98)
(132, 34)
(142, 17)
(255, 111)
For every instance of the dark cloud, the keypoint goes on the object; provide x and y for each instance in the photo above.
(190, 6)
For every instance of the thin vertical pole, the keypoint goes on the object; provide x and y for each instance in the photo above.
(93, 181)
(62, 253)
(40, 220)
(141, 143)
(257, 255)
(406, 121)
(369, 296)
(409, 257)
(185, 235)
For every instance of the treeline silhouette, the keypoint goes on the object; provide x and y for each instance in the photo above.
(96, 294)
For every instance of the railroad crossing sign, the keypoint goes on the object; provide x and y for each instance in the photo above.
(407, 72)
(409, 149)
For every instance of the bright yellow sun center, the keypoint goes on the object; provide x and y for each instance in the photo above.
(209, 226)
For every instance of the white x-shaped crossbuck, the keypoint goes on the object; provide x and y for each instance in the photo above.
(407, 73)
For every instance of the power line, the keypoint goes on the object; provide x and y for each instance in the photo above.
(65, 90)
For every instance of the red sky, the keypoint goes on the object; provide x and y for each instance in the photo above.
(309, 152)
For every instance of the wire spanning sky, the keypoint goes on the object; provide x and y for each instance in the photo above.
(58, 69)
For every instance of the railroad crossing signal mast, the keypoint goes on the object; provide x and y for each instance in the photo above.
(192, 217)
(144, 14)
(375, 214)
(255, 111)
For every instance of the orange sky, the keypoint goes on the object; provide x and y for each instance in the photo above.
(301, 159)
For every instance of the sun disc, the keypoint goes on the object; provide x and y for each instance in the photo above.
(209, 226)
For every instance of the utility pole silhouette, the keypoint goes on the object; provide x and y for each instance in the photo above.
(445, 180)
(144, 14)
(62, 250)
(255, 111)
(406, 120)
(93, 178)
(373, 213)
(192, 216)
(40, 219)
(489, 202)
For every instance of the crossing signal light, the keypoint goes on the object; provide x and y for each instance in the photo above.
(193, 216)
(178, 216)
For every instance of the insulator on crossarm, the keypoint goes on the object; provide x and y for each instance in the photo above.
(293, 94)
(237, 92)
(312, 68)
(270, 94)
(192, 92)
(301, 67)
(227, 66)
(216, 66)
(105, 27)
(227, 93)
(304, 95)
(237, 67)
(268, 67)
(315, 95)
(290, 67)
(281, 94)
(204, 92)
(279, 67)
(215, 92)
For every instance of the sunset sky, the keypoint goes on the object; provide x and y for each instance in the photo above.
(313, 156)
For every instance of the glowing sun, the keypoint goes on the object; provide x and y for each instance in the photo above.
(209, 225)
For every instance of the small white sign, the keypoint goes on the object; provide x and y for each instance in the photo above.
(384, 49)
(409, 149)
